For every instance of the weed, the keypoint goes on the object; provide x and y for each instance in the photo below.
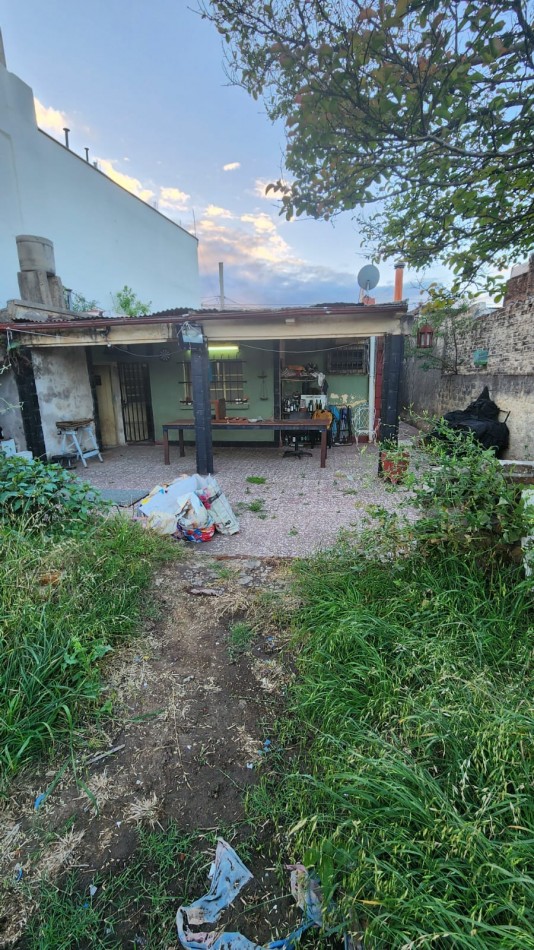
(224, 572)
(407, 787)
(54, 634)
(257, 505)
(411, 798)
(293, 532)
(35, 496)
(240, 640)
(134, 905)
(256, 480)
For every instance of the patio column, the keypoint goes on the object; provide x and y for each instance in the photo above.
(202, 408)
(393, 354)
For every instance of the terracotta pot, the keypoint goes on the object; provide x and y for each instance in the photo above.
(394, 466)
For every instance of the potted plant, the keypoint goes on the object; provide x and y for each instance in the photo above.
(393, 461)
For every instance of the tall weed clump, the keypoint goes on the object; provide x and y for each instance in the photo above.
(411, 791)
(44, 497)
(72, 586)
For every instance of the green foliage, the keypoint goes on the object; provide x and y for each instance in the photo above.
(125, 301)
(240, 639)
(65, 603)
(407, 781)
(463, 496)
(257, 505)
(410, 794)
(256, 479)
(44, 497)
(421, 109)
(81, 304)
(132, 905)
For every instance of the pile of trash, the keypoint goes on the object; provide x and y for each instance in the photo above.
(192, 508)
(228, 875)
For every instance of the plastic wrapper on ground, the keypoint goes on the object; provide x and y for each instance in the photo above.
(228, 876)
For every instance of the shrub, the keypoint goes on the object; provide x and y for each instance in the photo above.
(44, 496)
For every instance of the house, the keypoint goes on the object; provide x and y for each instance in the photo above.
(104, 236)
(132, 375)
(491, 347)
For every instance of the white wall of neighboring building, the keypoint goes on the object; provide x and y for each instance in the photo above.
(103, 236)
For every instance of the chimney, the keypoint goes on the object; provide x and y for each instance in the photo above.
(66, 131)
(399, 275)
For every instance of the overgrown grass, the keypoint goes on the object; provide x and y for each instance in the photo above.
(411, 794)
(64, 604)
(137, 904)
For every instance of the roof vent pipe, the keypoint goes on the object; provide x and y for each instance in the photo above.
(399, 276)
(86, 154)
(66, 131)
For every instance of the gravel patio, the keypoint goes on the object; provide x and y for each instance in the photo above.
(304, 507)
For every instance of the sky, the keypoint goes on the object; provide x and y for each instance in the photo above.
(141, 83)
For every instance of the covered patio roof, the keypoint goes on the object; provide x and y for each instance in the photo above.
(39, 326)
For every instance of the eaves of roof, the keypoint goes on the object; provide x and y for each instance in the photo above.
(183, 315)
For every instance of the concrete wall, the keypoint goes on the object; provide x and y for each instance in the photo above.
(514, 394)
(63, 390)
(10, 405)
(103, 236)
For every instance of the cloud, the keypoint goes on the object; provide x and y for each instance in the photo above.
(214, 211)
(275, 194)
(173, 199)
(128, 182)
(251, 242)
(231, 167)
(51, 120)
(261, 222)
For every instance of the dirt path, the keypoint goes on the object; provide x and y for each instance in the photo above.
(191, 710)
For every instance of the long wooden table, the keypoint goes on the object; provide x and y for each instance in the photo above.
(279, 425)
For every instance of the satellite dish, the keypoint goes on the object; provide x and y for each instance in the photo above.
(368, 277)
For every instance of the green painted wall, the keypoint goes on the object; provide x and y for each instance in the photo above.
(166, 381)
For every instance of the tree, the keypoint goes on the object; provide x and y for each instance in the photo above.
(421, 110)
(127, 302)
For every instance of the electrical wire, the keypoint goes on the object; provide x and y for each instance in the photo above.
(249, 346)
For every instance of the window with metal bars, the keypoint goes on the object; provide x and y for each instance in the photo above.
(226, 380)
(353, 358)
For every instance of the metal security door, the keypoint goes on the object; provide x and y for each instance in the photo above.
(136, 402)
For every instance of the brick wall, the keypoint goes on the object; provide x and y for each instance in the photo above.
(521, 286)
(508, 336)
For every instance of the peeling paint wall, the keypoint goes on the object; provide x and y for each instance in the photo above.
(63, 389)
(10, 406)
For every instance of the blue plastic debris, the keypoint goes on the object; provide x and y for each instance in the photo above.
(39, 801)
(228, 876)
(19, 874)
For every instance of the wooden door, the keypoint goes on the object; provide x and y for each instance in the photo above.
(106, 409)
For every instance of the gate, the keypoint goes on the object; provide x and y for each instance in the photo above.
(136, 402)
